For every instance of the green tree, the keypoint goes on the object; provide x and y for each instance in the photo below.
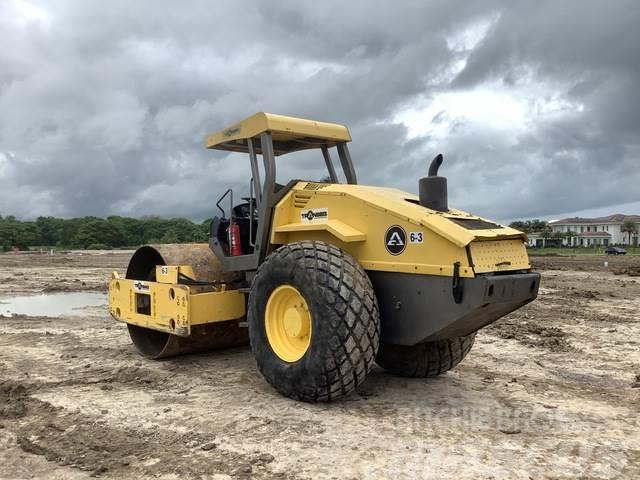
(131, 228)
(16, 234)
(170, 236)
(98, 231)
(570, 235)
(557, 238)
(537, 225)
(519, 225)
(545, 233)
(49, 230)
(529, 226)
(152, 229)
(629, 228)
(114, 231)
(203, 234)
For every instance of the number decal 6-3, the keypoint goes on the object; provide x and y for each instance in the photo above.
(415, 237)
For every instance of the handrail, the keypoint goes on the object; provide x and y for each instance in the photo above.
(229, 191)
(231, 222)
(251, 242)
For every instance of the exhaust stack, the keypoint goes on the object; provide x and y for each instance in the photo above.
(433, 189)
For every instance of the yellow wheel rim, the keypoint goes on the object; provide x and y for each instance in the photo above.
(288, 323)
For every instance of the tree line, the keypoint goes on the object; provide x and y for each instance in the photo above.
(529, 226)
(98, 233)
(543, 228)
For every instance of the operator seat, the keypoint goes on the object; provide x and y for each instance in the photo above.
(248, 226)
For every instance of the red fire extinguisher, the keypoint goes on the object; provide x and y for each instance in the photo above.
(234, 240)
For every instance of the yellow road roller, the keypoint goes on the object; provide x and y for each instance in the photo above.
(325, 278)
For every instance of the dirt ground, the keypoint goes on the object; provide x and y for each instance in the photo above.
(551, 391)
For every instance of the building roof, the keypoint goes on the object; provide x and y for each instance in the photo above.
(615, 218)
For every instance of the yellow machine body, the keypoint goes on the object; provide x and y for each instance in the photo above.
(169, 307)
(356, 218)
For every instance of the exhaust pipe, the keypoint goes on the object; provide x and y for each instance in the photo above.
(433, 189)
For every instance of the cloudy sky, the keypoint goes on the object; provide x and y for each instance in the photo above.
(104, 106)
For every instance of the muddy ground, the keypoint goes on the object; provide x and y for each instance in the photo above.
(551, 391)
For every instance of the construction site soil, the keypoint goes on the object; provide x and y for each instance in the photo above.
(550, 391)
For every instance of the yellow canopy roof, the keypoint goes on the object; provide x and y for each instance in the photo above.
(289, 134)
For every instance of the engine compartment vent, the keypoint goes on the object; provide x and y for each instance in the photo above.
(474, 223)
(315, 186)
(300, 200)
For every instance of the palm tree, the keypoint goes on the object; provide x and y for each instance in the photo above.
(557, 238)
(570, 235)
(546, 235)
(629, 228)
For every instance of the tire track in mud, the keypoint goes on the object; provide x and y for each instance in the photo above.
(88, 443)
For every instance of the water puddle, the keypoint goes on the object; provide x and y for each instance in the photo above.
(51, 304)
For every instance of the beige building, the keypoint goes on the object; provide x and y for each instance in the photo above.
(601, 231)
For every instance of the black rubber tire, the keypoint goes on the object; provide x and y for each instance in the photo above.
(345, 321)
(425, 359)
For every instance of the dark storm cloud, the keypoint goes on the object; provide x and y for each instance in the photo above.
(104, 107)
(589, 51)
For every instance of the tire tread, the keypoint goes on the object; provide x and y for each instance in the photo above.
(354, 321)
(426, 359)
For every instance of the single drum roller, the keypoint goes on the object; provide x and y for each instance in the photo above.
(328, 277)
